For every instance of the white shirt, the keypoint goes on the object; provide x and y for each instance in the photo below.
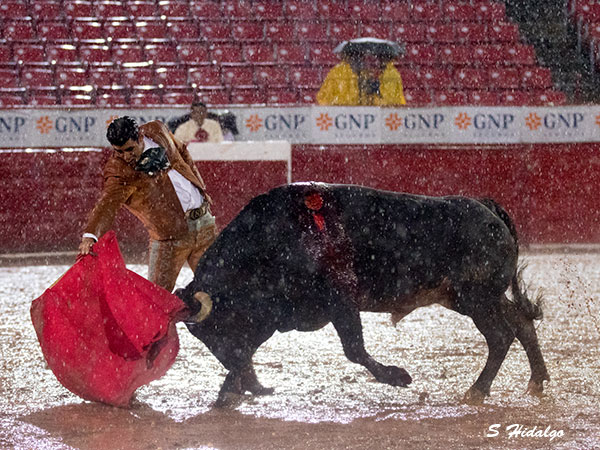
(189, 196)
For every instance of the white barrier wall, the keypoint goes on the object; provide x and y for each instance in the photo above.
(325, 125)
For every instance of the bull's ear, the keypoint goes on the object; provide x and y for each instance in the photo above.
(205, 306)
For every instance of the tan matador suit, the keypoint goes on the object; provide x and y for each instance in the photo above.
(174, 236)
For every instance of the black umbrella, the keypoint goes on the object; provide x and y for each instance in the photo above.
(378, 47)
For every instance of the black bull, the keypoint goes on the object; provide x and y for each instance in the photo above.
(307, 254)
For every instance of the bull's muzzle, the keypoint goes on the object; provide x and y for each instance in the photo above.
(205, 306)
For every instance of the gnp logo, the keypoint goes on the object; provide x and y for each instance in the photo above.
(345, 122)
(74, 124)
(554, 121)
(394, 121)
(483, 122)
(11, 125)
(254, 123)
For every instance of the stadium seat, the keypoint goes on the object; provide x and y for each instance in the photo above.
(193, 54)
(548, 98)
(490, 11)
(440, 33)
(299, 10)
(305, 77)
(504, 78)
(116, 96)
(6, 57)
(397, 12)
(138, 77)
(141, 8)
(422, 11)
(449, 98)
(421, 54)
(364, 11)
(248, 96)
(322, 54)
(77, 100)
(282, 96)
(108, 9)
(48, 9)
(458, 12)
(161, 53)
(280, 31)
(205, 76)
(178, 98)
(237, 76)
(128, 53)
(503, 32)
(536, 78)
(206, 10)
(43, 99)
(455, 54)
(10, 100)
(482, 98)
(330, 10)
(259, 53)
(171, 8)
(78, 8)
(183, 31)
(96, 54)
(211, 97)
(104, 76)
(411, 77)
(66, 76)
(311, 31)
(18, 30)
(215, 31)
(30, 54)
(409, 32)
(470, 78)
(379, 30)
(88, 32)
(53, 32)
(519, 54)
(171, 77)
(487, 55)
(141, 99)
(13, 10)
(63, 54)
(471, 33)
(435, 78)
(291, 53)
(342, 31)
(151, 30)
(10, 78)
(241, 10)
(271, 76)
(121, 31)
(37, 78)
(267, 10)
(307, 96)
(248, 31)
(417, 97)
(226, 53)
(514, 98)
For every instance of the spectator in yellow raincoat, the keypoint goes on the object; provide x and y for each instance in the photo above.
(365, 80)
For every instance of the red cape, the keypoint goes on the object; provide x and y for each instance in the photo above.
(100, 324)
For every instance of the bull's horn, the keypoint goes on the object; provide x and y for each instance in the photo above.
(206, 306)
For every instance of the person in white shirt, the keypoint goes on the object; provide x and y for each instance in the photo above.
(198, 128)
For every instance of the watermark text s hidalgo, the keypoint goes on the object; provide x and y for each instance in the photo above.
(516, 430)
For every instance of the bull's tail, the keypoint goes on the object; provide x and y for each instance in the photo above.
(531, 310)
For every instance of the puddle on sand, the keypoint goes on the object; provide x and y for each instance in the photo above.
(321, 399)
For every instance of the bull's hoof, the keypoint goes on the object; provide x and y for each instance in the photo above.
(228, 400)
(474, 396)
(261, 390)
(394, 376)
(535, 388)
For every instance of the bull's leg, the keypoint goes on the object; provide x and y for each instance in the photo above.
(250, 383)
(499, 336)
(346, 320)
(526, 334)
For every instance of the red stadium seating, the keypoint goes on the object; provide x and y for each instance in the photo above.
(10, 79)
(178, 98)
(274, 52)
(77, 100)
(10, 100)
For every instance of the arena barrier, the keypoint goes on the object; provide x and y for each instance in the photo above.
(549, 188)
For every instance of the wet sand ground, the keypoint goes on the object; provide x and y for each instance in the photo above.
(322, 400)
